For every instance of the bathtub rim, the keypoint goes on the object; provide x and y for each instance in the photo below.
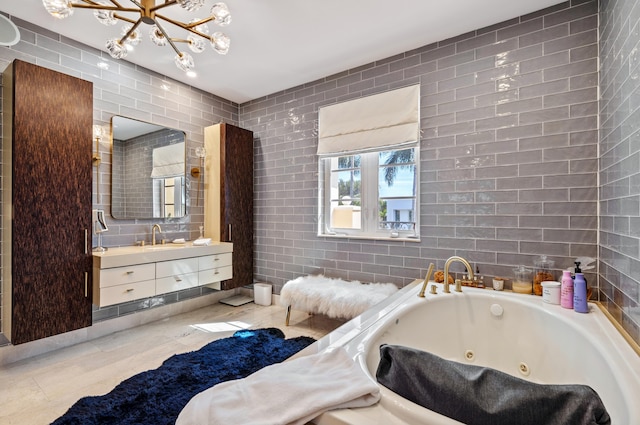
(403, 300)
(351, 329)
(623, 332)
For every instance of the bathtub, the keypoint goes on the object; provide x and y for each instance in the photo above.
(517, 334)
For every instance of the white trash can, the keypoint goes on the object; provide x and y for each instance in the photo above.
(262, 293)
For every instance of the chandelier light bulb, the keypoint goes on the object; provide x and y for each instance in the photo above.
(184, 61)
(203, 28)
(105, 17)
(220, 12)
(220, 43)
(116, 49)
(157, 37)
(196, 44)
(58, 8)
(134, 37)
(191, 5)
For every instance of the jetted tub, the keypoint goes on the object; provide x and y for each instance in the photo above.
(517, 334)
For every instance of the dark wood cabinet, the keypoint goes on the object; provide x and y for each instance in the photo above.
(47, 140)
(229, 196)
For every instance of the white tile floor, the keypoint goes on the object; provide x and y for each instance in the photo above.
(38, 390)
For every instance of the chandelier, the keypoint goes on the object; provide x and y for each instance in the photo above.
(110, 12)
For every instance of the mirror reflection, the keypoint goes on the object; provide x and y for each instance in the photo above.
(148, 170)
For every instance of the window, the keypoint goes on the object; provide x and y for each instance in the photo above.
(371, 195)
(168, 197)
(368, 157)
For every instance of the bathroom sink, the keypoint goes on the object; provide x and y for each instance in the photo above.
(129, 255)
(163, 247)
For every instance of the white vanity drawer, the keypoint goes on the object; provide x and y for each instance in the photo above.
(215, 275)
(127, 292)
(130, 274)
(176, 267)
(176, 283)
(213, 261)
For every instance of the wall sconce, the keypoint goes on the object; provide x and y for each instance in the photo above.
(196, 172)
(98, 132)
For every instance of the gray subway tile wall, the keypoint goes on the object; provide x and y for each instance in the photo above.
(512, 162)
(619, 151)
(128, 90)
(509, 155)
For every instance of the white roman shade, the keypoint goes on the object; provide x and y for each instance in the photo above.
(370, 123)
(168, 161)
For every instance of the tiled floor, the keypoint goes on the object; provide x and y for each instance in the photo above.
(40, 389)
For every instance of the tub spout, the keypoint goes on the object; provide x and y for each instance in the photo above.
(446, 272)
(426, 281)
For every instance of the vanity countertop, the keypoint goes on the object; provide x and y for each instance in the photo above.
(130, 255)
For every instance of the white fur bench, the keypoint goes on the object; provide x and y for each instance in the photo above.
(335, 298)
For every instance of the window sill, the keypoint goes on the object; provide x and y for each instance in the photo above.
(371, 238)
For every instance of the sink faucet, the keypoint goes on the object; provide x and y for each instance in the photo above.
(446, 272)
(153, 233)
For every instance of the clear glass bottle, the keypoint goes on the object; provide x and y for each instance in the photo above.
(542, 273)
(522, 281)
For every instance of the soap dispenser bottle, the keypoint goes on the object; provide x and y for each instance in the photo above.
(580, 294)
(578, 270)
(566, 290)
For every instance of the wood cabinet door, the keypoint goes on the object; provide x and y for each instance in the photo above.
(51, 196)
(236, 213)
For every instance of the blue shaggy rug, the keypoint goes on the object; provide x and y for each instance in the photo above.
(156, 397)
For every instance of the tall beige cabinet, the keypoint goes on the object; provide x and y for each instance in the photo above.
(46, 215)
(228, 196)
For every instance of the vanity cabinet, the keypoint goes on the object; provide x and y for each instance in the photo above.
(122, 284)
(176, 275)
(215, 268)
(228, 196)
(46, 212)
(133, 273)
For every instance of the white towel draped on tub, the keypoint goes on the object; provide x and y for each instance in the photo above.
(291, 393)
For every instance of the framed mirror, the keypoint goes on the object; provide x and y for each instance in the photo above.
(148, 170)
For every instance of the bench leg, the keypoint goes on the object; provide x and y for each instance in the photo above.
(286, 321)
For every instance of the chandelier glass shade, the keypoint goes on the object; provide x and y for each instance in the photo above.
(111, 12)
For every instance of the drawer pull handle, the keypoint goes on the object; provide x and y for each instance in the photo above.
(216, 272)
(130, 290)
(216, 259)
(177, 279)
(130, 272)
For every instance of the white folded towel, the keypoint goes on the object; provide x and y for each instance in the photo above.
(179, 241)
(292, 393)
(202, 241)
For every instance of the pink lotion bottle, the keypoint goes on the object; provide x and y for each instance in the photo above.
(566, 290)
